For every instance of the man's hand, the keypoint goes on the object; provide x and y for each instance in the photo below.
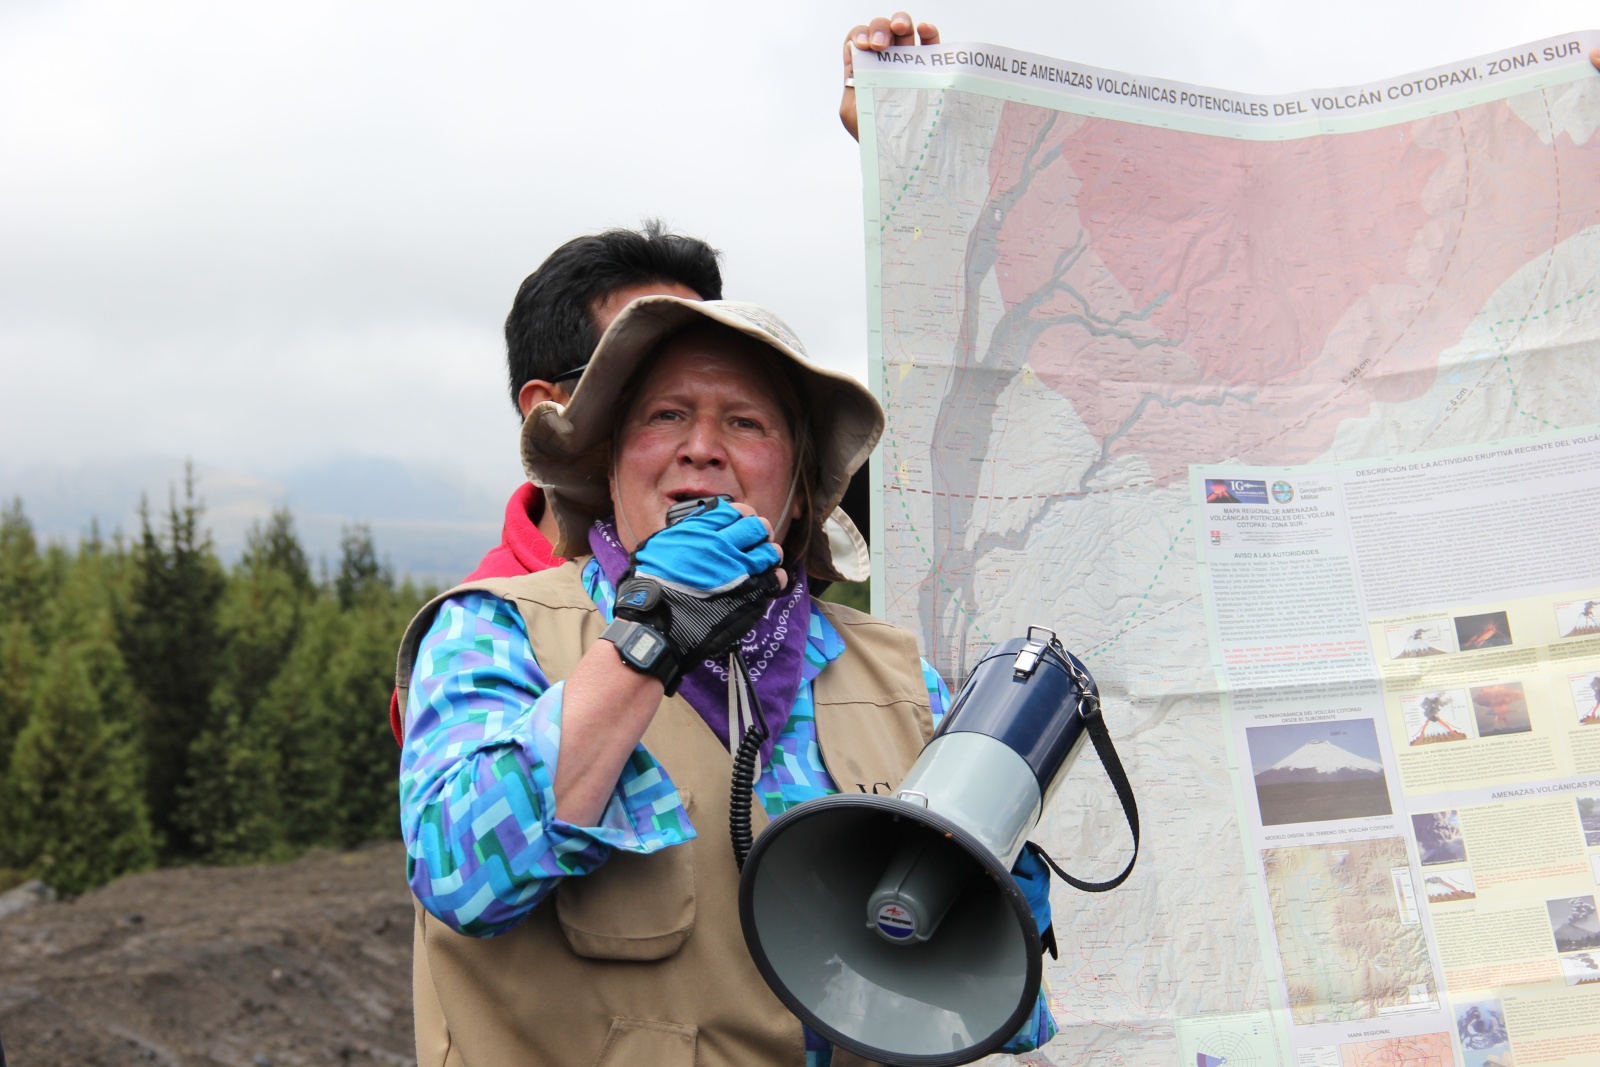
(875, 36)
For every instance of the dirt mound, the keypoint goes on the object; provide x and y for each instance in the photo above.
(304, 963)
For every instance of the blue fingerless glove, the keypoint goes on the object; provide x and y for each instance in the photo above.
(701, 583)
(709, 552)
(1034, 881)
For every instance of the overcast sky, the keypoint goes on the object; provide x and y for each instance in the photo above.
(267, 236)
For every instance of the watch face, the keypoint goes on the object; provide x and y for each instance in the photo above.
(643, 646)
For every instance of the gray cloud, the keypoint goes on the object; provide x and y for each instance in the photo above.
(267, 236)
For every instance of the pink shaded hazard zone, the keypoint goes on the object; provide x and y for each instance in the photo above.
(1242, 298)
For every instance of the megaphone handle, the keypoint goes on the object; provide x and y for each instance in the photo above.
(1096, 724)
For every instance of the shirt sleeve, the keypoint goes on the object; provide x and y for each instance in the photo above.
(477, 777)
(938, 694)
(1033, 878)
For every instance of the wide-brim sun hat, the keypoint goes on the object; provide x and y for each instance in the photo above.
(566, 450)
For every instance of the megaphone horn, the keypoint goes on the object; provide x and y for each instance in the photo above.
(891, 924)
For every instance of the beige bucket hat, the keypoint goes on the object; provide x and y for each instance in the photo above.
(566, 450)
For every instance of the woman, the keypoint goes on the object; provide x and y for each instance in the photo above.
(566, 768)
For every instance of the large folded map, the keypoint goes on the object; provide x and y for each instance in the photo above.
(1282, 411)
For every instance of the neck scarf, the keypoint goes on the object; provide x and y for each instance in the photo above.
(774, 650)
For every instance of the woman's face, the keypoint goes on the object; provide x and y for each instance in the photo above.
(705, 422)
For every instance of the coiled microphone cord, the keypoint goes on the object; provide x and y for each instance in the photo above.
(744, 765)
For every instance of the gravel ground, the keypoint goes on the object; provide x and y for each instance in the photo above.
(304, 963)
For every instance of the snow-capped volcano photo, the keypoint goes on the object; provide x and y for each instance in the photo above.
(1320, 761)
(1315, 772)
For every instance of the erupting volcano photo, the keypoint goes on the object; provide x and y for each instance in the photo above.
(1439, 837)
(1574, 923)
(1483, 631)
(1500, 709)
(1589, 818)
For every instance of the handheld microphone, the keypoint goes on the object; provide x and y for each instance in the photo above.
(694, 506)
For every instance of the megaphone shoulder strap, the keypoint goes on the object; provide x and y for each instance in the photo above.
(1095, 723)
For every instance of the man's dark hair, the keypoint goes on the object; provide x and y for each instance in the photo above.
(551, 327)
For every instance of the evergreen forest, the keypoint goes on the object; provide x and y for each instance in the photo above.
(160, 708)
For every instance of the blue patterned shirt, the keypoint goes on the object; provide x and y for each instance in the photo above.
(478, 767)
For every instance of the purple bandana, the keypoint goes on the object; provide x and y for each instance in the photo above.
(774, 649)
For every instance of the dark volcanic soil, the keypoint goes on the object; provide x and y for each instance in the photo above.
(305, 963)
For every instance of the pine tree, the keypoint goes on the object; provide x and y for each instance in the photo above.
(68, 615)
(76, 816)
(354, 677)
(169, 636)
(21, 586)
(78, 612)
(231, 806)
(362, 578)
(21, 569)
(361, 678)
(19, 653)
(308, 742)
(274, 548)
(263, 610)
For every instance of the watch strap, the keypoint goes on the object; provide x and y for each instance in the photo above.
(646, 650)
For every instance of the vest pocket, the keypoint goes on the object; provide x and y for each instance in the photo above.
(635, 907)
(636, 1041)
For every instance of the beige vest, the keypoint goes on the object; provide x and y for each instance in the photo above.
(643, 961)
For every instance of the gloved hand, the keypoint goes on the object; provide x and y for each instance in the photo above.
(702, 582)
(709, 552)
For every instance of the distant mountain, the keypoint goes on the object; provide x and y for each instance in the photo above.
(429, 522)
(1320, 761)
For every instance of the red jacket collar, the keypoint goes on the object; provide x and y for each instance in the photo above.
(522, 548)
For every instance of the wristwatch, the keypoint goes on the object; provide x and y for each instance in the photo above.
(645, 649)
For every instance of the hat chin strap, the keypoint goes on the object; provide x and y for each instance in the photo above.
(622, 517)
(794, 483)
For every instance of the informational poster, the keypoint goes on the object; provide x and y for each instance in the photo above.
(1284, 412)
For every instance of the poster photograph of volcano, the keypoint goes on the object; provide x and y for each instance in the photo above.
(1589, 817)
(1490, 630)
(1439, 838)
(1574, 923)
(1501, 709)
(1318, 772)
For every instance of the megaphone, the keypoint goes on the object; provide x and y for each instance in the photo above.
(891, 924)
